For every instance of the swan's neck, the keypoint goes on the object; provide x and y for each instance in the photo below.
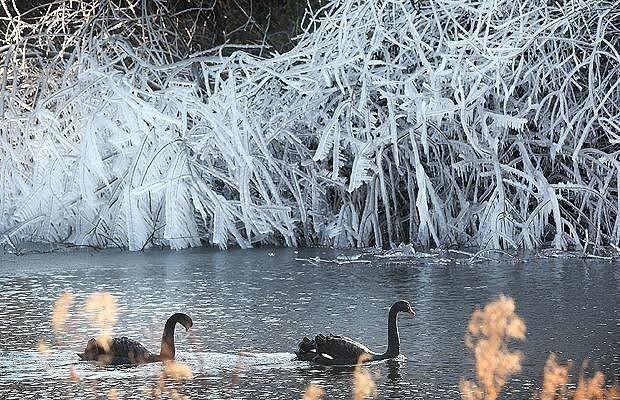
(167, 341)
(393, 349)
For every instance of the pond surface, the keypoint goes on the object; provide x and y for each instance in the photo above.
(251, 307)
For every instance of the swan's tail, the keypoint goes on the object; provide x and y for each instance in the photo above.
(306, 350)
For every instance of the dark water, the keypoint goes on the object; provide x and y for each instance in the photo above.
(250, 308)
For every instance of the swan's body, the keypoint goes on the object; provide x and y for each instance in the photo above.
(123, 350)
(341, 350)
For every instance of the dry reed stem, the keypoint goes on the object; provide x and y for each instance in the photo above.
(102, 310)
(613, 393)
(554, 380)
(363, 384)
(175, 395)
(313, 392)
(591, 389)
(60, 312)
(161, 391)
(177, 370)
(488, 332)
(43, 348)
(555, 385)
(113, 394)
(73, 375)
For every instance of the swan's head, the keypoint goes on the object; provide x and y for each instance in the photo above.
(92, 350)
(403, 306)
(182, 319)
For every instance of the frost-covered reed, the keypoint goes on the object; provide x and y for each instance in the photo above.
(493, 123)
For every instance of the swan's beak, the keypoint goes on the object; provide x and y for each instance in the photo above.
(410, 311)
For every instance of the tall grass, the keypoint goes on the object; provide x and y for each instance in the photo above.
(492, 123)
(61, 310)
(488, 335)
(556, 381)
(102, 311)
(489, 332)
(313, 392)
(363, 383)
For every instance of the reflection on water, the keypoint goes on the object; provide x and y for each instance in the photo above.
(251, 307)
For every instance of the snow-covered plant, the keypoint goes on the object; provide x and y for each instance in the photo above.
(493, 123)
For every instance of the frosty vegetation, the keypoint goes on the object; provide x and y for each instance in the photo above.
(492, 123)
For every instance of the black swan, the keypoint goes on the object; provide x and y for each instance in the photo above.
(127, 351)
(341, 350)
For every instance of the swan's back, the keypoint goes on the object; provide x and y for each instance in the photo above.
(121, 351)
(341, 347)
(331, 349)
(133, 351)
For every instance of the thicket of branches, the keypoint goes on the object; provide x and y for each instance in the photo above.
(493, 123)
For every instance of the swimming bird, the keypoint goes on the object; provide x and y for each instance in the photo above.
(128, 351)
(341, 350)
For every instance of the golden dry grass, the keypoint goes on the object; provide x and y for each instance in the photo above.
(161, 391)
(102, 310)
(176, 370)
(313, 392)
(591, 389)
(73, 375)
(60, 311)
(556, 381)
(43, 348)
(488, 334)
(113, 394)
(363, 384)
